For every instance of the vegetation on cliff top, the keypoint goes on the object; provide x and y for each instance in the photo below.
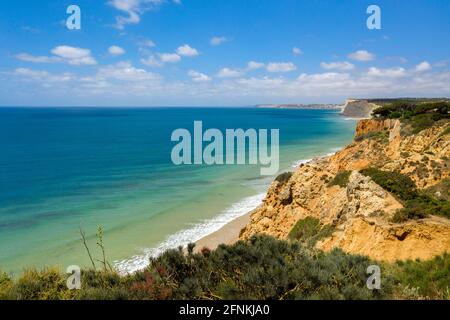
(417, 204)
(419, 115)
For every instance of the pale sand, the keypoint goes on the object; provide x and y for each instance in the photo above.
(228, 234)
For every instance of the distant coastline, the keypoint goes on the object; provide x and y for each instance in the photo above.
(302, 106)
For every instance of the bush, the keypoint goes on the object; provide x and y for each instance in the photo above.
(5, 285)
(260, 268)
(341, 179)
(380, 136)
(396, 183)
(417, 205)
(265, 268)
(309, 231)
(429, 279)
(420, 115)
(48, 284)
(440, 190)
(445, 132)
(103, 285)
(422, 122)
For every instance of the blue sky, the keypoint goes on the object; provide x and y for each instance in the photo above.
(220, 52)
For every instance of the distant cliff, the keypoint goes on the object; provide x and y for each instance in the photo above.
(358, 108)
(301, 106)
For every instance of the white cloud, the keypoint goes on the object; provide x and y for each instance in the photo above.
(297, 51)
(344, 65)
(328, 76)
(198, 76)
(423, 66)
(387, 73)
(124, 71)
(152, 61)
(134, 9)
(229, 73)
(281, 67)
(64, 54)
(123, 83)
(253, 65)
(362, 55)
(31, 73)
(42, 76)
(169, 57)
(116, 51)
(74, 56)
(216, 41)
(187, 51)
(147, 43)
(37, 59)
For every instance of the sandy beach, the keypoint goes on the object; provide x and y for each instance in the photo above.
(228, 234)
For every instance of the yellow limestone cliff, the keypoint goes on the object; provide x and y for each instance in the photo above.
(362, 211)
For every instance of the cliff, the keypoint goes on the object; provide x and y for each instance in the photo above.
(340, 192)
(358, 108)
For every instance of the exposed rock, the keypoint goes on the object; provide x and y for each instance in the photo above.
(366, 198)
(422, 239)
(369, 125)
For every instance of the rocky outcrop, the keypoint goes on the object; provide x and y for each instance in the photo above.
(367, 126)
(362, 211)
(423, 239)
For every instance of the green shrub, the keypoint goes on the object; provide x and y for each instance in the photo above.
(48, 284)
(417, 205)
(341, 179)
(418, 114)
(421, 207)
(442, 189)
(396, 183)
(265, 268)
(430, 279)
(5, 285)
(445, 132)
(260, 268)
(421, 122)
(309, 231)
(380, 136)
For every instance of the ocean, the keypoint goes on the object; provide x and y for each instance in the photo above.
(66, 168)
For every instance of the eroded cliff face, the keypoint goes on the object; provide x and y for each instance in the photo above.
(362, 211)
(358, 108)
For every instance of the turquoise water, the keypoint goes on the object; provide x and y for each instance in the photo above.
(62, 168)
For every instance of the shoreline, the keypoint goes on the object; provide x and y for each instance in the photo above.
(228, 234)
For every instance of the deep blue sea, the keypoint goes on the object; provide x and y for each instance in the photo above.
(66, 168)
